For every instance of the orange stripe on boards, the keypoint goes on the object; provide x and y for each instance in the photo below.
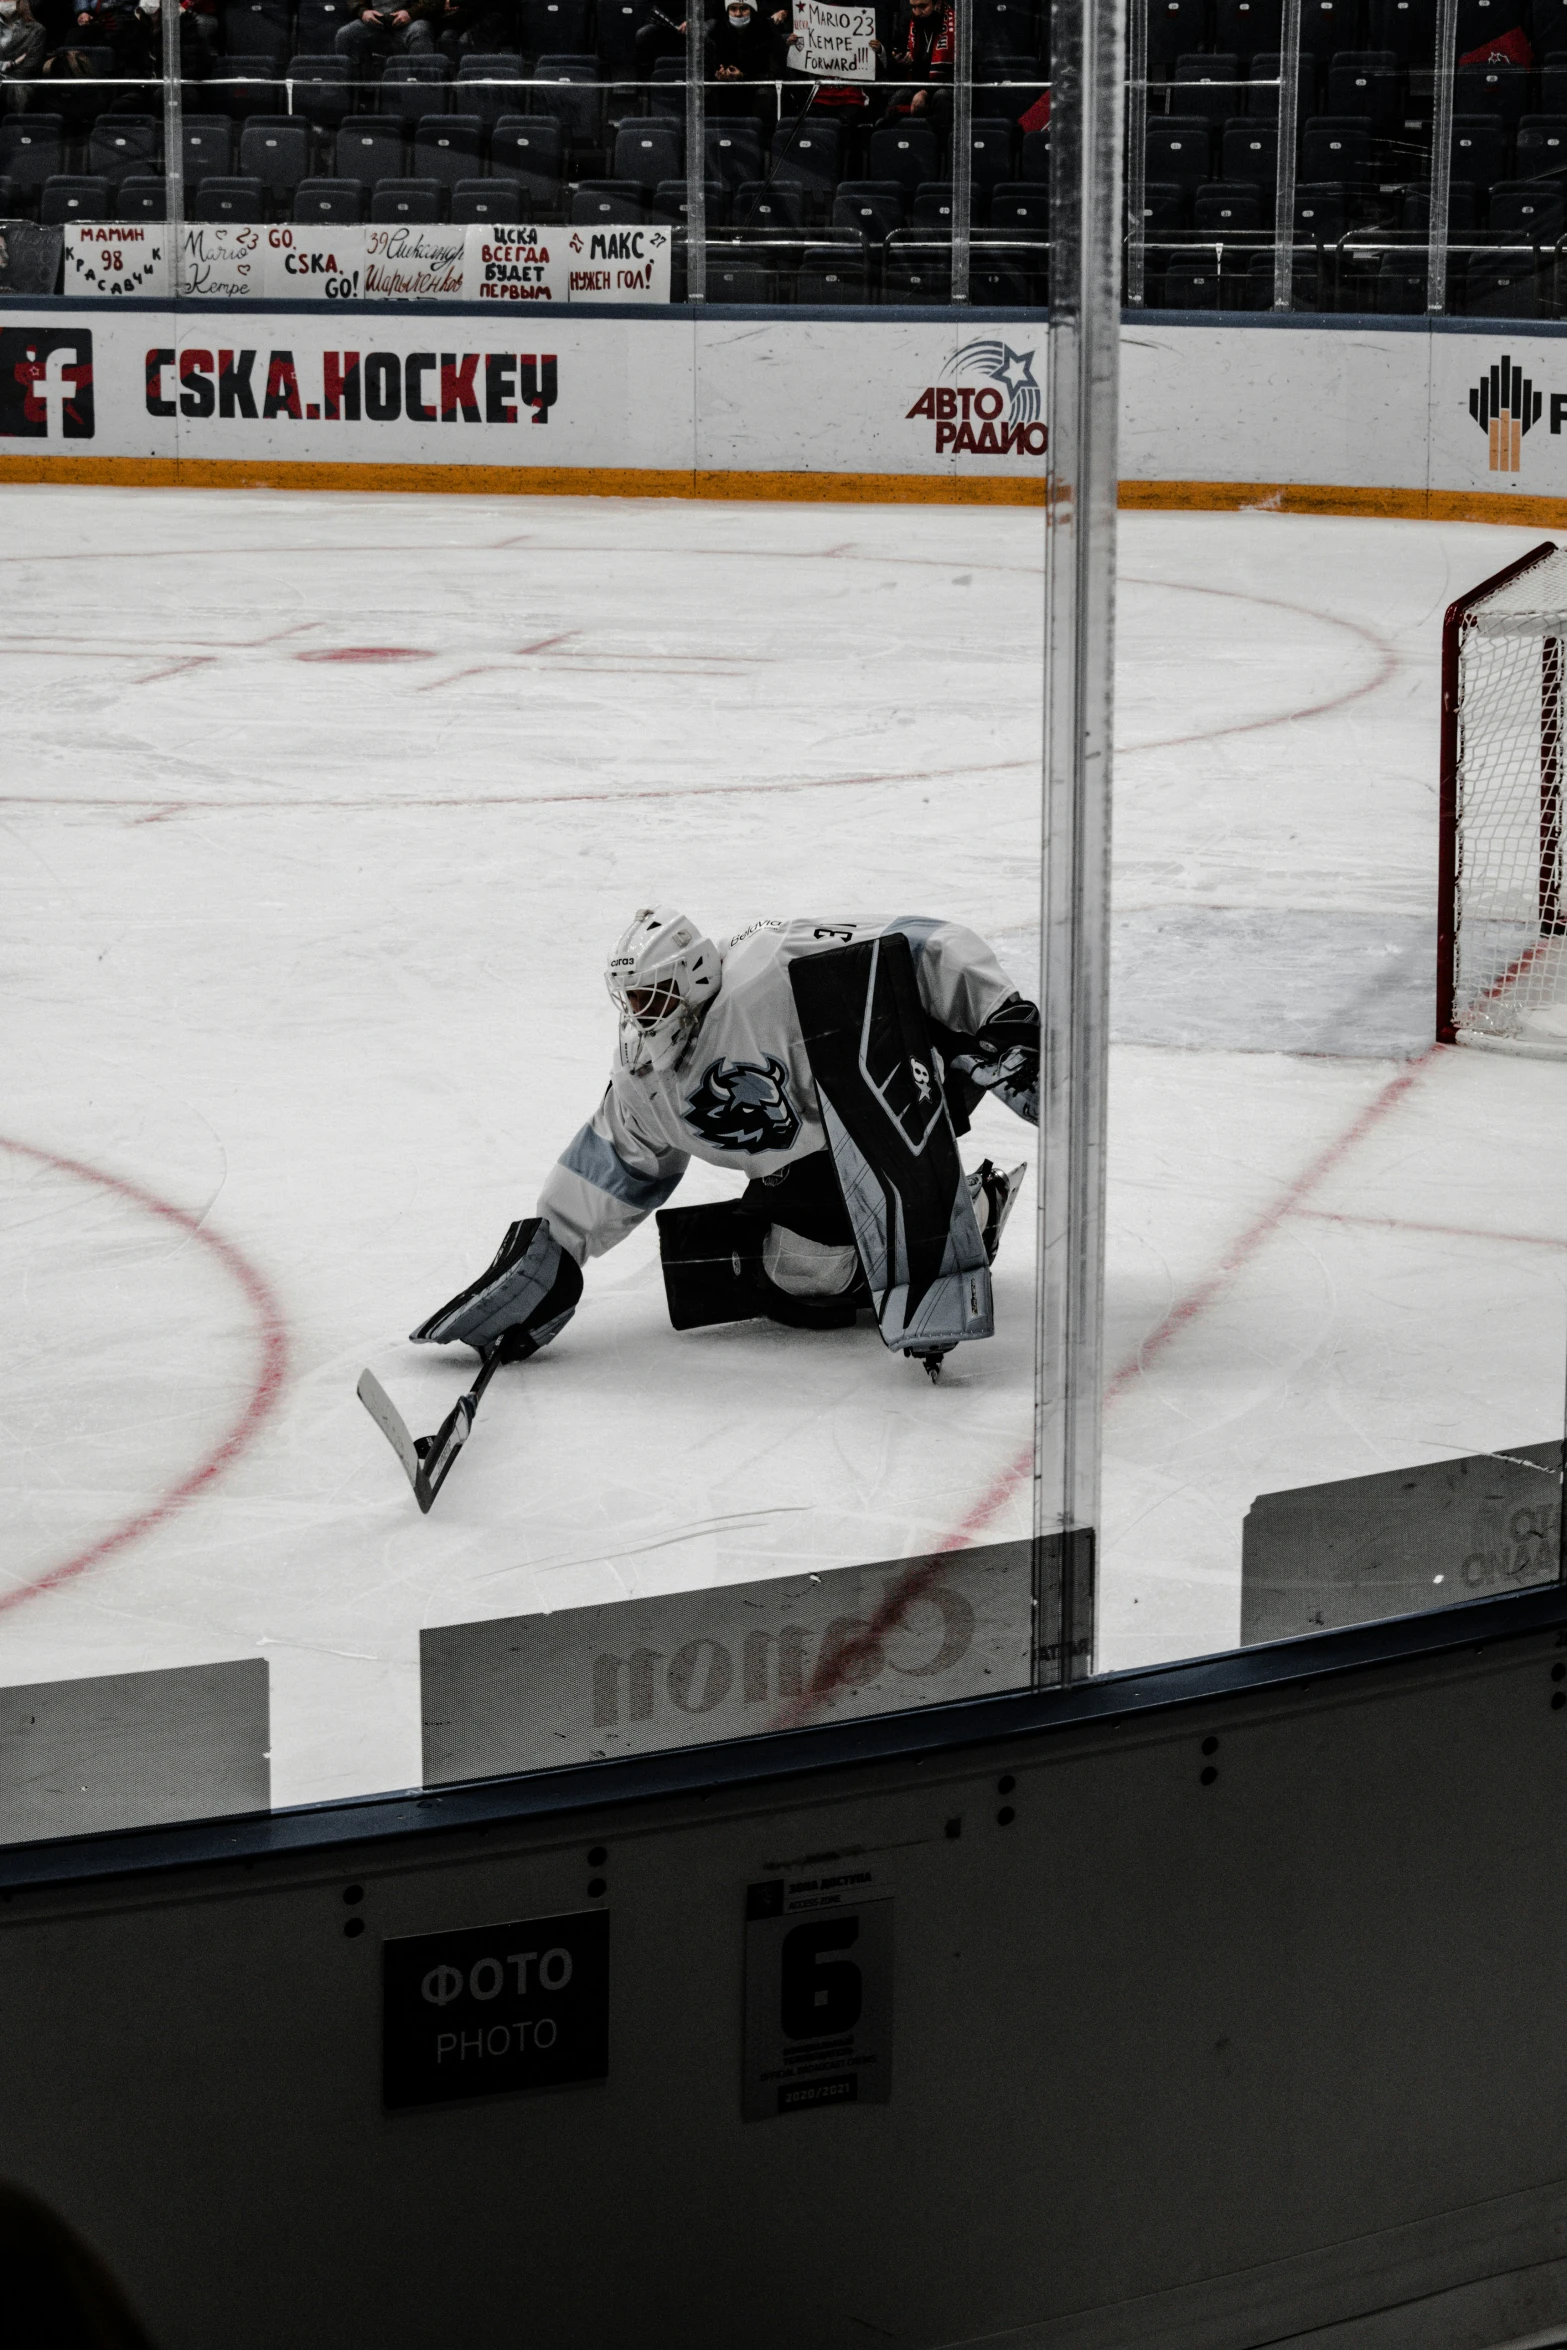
(1272, 497)
(876, 489)
(548, 481)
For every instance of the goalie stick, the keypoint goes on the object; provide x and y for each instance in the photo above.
(427, 1460)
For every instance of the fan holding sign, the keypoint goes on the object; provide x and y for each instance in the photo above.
(834, 44)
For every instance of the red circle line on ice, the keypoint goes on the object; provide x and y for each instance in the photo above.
(266, 1386)
(368, 653)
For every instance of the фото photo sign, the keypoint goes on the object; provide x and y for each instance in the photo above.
(486, 2010)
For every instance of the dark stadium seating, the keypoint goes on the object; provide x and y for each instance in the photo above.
(75, 196)
(369, 148)
(530, 150)
(239, 199)
(32, 151)
(142, 196)
(275, 149)
(414, 200)
(489, 199)
(329, 200)
(122, 143)
(448, 148)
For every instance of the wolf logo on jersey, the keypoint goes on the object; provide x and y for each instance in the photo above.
(744, 1106)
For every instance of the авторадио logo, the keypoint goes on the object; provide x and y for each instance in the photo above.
(46, 389)
(972, 421)
(1504, 404)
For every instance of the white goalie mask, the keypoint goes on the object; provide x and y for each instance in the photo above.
(663, 972)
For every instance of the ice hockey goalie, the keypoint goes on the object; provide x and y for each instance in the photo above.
(833, 1064)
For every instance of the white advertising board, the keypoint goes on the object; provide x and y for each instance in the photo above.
(1412, 413)
(833, 44)
(468, 385)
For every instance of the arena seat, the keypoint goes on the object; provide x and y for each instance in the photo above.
(530, 149)
(250, 85)
(32, 151)
(498, 66)
(779, 204)
(1321, 211)
(647, 152)
(671, 200)
(607, 203)
(1022, 209)
(1249, 155)
(831, 274)
(552, 28)
(121, 143)
(369, 149)
(143, 196)
(491, 199)
(1219, 210)
(1239, 26)
(1522, 212)
(256, 28)
(75, 196)
(733, 152)
(413, 200)
(449, 148)
(1176, 28)
(809, 151)
(931, 211)
(1205, 85)
(329, 200)
(275, 149)
(1178, 149)
(874, 207)
(207, 141)
(221, 197)
(325, 92)
(1191, 282)
(1502, 285)
(319, 23)
(414, 87)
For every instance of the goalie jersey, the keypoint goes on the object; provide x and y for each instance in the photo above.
(741, 1095)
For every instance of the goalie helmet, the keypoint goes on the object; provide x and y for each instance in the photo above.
(663, 973)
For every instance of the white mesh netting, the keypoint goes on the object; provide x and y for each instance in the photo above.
(1511, 912)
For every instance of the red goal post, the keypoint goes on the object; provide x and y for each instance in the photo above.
(1501, 920)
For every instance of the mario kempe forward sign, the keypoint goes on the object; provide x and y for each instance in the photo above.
(833, 44)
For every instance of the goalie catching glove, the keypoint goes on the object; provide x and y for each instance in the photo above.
(522, 1301)
(1003, 1059)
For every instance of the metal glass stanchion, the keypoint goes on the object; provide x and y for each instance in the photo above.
(1442, 65)
(1084, 371)
(696, 154)
(1284, 170)
(962, 148)
(173, 142)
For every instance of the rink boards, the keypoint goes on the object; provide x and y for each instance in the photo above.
(1457, 421)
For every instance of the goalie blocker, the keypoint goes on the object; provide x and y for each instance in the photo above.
(919, 1260)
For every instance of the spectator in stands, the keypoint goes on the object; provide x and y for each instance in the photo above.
(742, 46)
(484, 26)
(390, 32)
(923, 51)
(662, 36)
(133, 30)
(22, 44)
(201, 33)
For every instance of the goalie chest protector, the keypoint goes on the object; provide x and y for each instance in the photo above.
(892, 1143)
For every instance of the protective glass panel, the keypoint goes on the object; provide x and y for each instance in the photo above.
(317, 884)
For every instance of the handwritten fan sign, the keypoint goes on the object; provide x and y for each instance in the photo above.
(833, 44)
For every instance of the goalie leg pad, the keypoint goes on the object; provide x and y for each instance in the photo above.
(717, 1263)
(523, 1299)
(892, 1144)
(712, 1263)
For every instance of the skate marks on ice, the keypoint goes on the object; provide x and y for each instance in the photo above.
(1253, 979)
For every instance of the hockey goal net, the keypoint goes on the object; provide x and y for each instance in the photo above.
(1502, 927)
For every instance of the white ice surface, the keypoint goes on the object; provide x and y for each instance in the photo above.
(306, 949)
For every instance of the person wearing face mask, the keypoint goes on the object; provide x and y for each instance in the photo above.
(22, 44)
(743, 46)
